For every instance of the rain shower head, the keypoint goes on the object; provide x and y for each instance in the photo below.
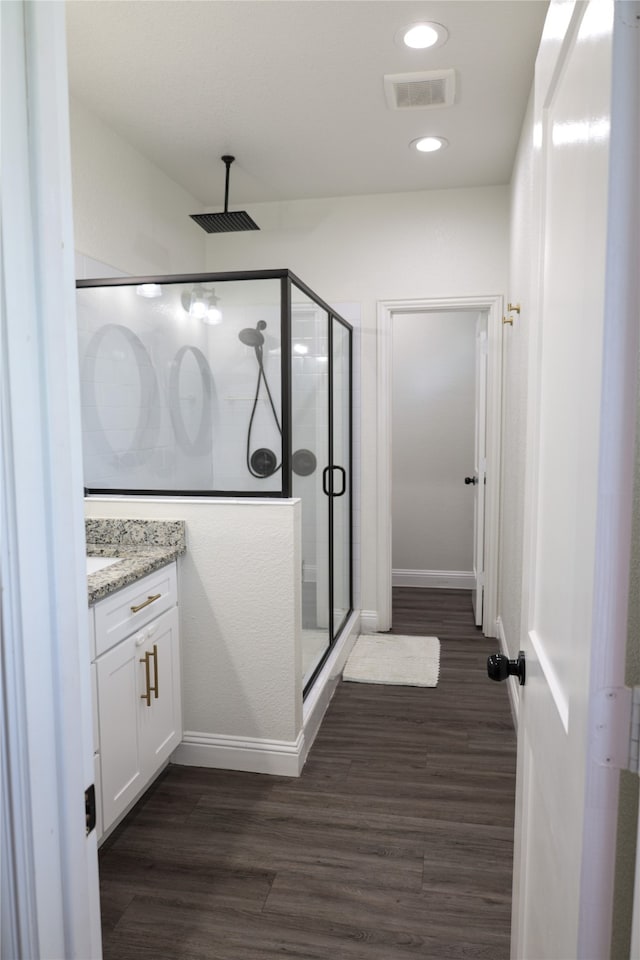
(251, 336)
(228, 221)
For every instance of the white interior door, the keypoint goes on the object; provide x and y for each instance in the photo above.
(480, 467)
(49, 879)
(565, 505)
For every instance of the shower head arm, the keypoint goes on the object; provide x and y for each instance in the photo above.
(224, 222)
(227, 160)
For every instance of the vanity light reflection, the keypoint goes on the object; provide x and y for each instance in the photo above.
(149, 290)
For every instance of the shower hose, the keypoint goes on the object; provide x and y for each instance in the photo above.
(261, 377)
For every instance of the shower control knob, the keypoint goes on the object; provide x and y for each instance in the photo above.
(499, 667)
(470, 479)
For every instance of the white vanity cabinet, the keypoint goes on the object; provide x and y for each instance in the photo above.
(137, 685)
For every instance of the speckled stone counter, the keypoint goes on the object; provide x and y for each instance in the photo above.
(142, 546)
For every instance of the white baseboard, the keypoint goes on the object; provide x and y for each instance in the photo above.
(512, 683)
(443, 579)
(279, 757)
(319, 697)
(369, 621)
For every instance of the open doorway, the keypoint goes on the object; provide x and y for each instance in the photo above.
(447, 530)
(438, 450)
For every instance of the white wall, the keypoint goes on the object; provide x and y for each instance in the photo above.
(126, 212)
(433, 441)
(364, 249)
(239, 605)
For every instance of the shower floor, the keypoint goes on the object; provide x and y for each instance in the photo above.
(314, 645)
(315, 639)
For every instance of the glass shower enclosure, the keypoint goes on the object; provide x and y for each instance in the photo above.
(227, 385)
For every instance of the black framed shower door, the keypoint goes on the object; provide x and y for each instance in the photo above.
(322, 419)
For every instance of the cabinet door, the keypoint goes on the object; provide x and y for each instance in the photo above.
(120, 685)
(160, 720)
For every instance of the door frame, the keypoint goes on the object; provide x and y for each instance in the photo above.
(479, 467)
(493, 304)
(49, 881)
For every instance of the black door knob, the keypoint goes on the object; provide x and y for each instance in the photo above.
(470, 479)
(499, 667)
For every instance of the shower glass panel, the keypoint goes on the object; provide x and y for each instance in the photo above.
(310, 444)
(182, 389)
(235, 385)
(342, 497)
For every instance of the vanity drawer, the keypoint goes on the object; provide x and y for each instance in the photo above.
(132, 607)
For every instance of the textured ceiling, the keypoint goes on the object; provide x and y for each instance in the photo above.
(294, 89)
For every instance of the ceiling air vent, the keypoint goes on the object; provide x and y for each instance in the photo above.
(408, 91)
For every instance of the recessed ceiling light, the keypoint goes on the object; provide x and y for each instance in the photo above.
(422, 36)
(429, 144)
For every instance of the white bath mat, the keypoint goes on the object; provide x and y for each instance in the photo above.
(390, 658)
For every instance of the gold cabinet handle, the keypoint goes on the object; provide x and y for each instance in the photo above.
(154, 654)
(146, 696)
(146, 603)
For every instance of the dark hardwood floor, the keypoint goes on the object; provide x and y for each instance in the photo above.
(395, 843)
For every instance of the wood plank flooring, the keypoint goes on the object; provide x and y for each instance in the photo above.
(395, 843)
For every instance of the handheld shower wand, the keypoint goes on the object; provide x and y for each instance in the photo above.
(252, 337)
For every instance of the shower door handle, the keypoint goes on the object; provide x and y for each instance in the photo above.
(327, 488)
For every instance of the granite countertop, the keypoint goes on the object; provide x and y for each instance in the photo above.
(142, 546)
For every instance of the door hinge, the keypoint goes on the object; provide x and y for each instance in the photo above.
(90, 808)
(616, 730)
